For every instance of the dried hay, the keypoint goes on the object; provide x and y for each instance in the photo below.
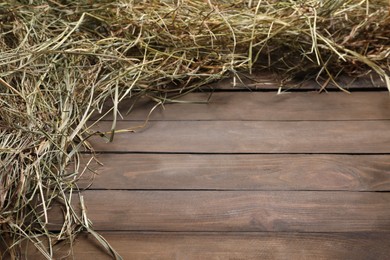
(61, 60)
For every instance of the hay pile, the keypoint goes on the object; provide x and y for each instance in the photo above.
(62, 59)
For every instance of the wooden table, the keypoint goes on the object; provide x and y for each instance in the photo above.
(249, 175)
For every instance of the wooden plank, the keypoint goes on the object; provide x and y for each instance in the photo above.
(250, 137)
(4, 247)
(278, 211)
(265, 80)
(192, 246)
(240, 172)
(266, 106)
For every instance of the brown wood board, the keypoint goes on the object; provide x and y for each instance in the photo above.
(250, 137)
(266, 80)
(247, 176)
(194, 246)
(239, 172)
(276, 211)
(263, 106)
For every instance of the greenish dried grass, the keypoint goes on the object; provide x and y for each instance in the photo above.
(62, 60)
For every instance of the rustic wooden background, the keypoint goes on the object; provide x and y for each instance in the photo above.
(249, 175)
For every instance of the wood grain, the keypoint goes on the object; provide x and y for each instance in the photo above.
(240, 172)
(352, 137)
(276, 211)
(194, 246)
(261, 80)
(266, 106)
(4, 254)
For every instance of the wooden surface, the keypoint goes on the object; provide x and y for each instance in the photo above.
(240, 172)
(265, 106)
(237, 245)
(352, 137)
(264, 80)
(250, 175)
(246, 211)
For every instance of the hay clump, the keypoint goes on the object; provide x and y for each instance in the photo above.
(62, 60)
